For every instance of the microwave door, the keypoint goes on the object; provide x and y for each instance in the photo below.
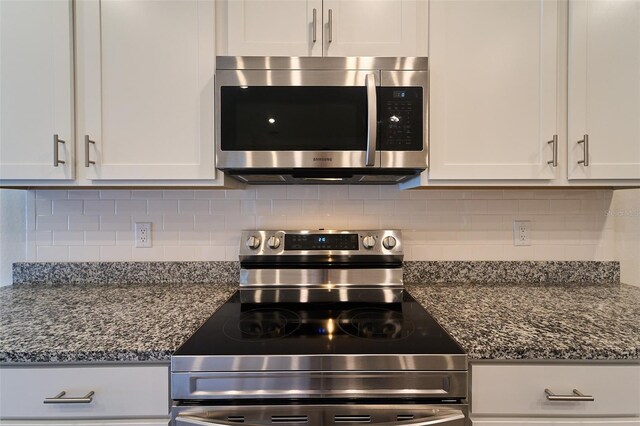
(293, 119)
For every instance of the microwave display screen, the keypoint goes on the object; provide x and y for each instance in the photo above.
(293, 118)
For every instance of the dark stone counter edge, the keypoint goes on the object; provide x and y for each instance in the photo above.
(218, 272)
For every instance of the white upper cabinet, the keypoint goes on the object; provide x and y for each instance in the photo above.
(604, 89)
(325, 28)
(493, 89)
(145, 83)
(36, 89)
(274, 27)
(375, 28)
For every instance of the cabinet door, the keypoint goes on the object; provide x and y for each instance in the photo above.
(493, 88)
(375, 27)
(36, 89)
(604, 89)
(146, 88)
(274, 27)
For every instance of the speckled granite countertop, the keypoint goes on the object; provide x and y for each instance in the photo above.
(102, 322)
(535, 321)
(147, 322)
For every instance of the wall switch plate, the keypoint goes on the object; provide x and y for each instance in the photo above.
(521, 233)
(143, 234)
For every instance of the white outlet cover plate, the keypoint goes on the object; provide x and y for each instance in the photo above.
(142, 234)
(521, 233)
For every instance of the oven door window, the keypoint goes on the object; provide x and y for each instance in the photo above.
(293, 118)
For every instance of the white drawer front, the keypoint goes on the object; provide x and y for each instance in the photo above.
(119, 392)
(515, 390)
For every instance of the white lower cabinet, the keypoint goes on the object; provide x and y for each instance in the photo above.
(121, 395)
(514, 394)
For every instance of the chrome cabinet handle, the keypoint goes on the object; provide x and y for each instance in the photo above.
(554, 141)
(59, 399)
(575, 396)
(56, 144)
(314, 24)
(87, 144)
(330, 26)
(372, 114)
(585, 151)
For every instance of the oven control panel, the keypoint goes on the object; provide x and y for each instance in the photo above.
(402, 119)
(319, 243)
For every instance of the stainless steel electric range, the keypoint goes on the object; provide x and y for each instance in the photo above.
(321, 332)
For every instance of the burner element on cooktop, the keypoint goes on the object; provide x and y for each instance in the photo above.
(262, 324)
(373, 323)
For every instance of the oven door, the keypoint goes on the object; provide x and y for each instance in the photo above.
(324, 415)
(285, 119)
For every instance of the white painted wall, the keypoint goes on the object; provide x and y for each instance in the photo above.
(625, 208)
(12, 231)
(96, 225)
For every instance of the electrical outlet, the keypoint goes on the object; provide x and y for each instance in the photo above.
(143, 234)
(521, 233)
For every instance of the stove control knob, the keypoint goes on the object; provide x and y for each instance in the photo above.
(389, 242)
(253, 242)
(273, 242)
(368, 242)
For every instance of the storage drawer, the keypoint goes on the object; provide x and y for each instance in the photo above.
(119, 391)
(519, 389)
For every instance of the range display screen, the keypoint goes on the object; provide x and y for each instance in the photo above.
(321, 242)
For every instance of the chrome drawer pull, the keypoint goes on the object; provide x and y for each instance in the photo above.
(58, 399)
(576, 396)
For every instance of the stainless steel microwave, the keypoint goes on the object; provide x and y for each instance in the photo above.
(321, 119)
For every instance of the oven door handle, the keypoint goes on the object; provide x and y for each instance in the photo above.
(455, 418)
(372, 118)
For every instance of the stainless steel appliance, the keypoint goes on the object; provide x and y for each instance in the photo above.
(321, 119)
(321, 332)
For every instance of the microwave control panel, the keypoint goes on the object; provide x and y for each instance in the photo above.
(402, 118)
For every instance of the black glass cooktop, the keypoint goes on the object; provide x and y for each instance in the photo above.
(319, 328)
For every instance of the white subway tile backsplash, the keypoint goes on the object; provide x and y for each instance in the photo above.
(52, 223)
(99, 238)
(84, 253)
(85, 223)
(68, 238)
(162, 206)
(76, 194)
(302, 192)
(51, 194)
(100, 207)
(178, 222)
(193, 206)
(115, 223)
(209, 223)
(66, 207)
(115, 194)
(129, 207)
(333, 192)
(179, 194)
(438, 224)
(43, 207)
(52, 254)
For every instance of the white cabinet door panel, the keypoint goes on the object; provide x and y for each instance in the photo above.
(274, 28)
(493, 88)
(36, 89)
(604, 88)
(147, 88)
(375, 27)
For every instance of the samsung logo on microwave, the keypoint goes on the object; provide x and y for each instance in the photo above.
(322, 159)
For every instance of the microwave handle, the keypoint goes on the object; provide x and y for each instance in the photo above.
(372, 116)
